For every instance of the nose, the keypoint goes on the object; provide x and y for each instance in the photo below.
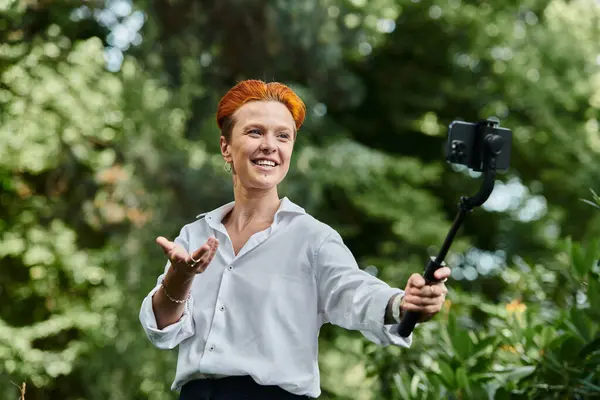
(268, 144)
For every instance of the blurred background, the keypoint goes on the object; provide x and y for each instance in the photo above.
(108, 139)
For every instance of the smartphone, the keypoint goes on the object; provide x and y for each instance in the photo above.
(466, 145)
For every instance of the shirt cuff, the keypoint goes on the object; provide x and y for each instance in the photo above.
(387, 334)
(170, 336)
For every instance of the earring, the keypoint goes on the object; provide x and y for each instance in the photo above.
(227, 167)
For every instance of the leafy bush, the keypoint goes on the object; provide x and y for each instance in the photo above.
(543, 344)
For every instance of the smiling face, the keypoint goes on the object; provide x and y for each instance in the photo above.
(260, 145)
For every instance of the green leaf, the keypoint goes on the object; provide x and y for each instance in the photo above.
(482, 344)
(460, 340)
(577, 256)
(399, 382)
(461, 379)
(592, 386)
(580, 324)
(520, 372)
(414, 385)
(589, 348)
(502, 394)
(591, 203)
(446, 374)
(571, 348)
(593, 292)
(547, 335)
(451, 326)
(592, 254)
(463, 345)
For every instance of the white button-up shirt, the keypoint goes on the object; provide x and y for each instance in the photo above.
(259, 312)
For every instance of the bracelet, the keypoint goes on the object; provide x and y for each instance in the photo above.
(172, 299)
(396, 310)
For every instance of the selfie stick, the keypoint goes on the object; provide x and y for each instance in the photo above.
(492, 146)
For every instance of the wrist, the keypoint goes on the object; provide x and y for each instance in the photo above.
(397, 311)
(183, 272)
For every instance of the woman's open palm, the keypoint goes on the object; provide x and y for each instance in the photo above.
(194, 263)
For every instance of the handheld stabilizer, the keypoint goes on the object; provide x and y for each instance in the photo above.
(483, 147)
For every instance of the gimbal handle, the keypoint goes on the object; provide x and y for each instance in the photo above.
(493, 147)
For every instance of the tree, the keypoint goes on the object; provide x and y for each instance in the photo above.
(95, 164)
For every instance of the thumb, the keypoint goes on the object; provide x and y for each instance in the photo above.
(416, 281)
(165, 244)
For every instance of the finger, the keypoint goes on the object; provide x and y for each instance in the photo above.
(420, 301)
(412, 307)
(213, 243)
(165, 244)
(431, 310)
(416, 281)
(206, 260)
(197, 255)
(426, 310)
(178, 255)
(208, 257)
(430, 291)
(425, 291)
(442, 273)
(205, 248)
(213, 251)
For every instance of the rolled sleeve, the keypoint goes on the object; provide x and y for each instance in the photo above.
(170, 336)
(352, 298)
(385, 334)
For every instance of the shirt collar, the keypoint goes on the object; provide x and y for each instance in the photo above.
(214, 217)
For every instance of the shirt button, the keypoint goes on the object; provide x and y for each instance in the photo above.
(230, 267)
(222, 308)
(211, 348)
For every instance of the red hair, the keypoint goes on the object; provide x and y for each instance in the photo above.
(255, 90)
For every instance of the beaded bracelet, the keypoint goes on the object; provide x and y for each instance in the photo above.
(172, 299)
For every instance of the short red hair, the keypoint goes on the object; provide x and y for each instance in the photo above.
(256, 90)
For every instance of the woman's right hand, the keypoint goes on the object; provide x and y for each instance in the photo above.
(181, 261)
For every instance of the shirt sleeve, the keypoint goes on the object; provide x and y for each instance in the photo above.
(352, 298)
(170, 336)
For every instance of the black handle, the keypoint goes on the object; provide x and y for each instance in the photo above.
(410, 318)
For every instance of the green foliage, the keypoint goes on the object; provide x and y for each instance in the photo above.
(94, 164)
(524, 350)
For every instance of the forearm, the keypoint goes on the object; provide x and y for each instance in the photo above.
(178, 285)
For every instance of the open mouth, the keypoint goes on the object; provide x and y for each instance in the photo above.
(265, 163)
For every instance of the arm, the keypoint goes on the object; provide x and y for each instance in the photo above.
(166, 326)
(166, 311)
(352, 298)
(177, 285)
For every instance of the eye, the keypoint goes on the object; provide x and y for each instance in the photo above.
(285, 135)
(254, 132)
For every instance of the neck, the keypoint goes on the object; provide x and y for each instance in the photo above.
(252, 206)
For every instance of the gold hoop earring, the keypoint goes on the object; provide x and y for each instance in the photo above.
(227, 167)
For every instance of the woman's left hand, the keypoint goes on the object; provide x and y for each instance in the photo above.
(426, 299)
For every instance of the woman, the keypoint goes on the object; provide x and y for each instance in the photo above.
(247, 286)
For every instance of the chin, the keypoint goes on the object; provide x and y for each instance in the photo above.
(266, 184)
(261, 183)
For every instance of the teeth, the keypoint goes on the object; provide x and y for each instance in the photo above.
(265, 163)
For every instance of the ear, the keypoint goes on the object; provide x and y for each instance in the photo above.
(225, 150)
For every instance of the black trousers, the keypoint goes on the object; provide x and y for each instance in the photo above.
(233, 388)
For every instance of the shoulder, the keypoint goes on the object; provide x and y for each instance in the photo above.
(317, 231)
(193, 227)
(306, 224)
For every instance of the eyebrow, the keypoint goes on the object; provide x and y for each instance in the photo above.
(263, 126)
